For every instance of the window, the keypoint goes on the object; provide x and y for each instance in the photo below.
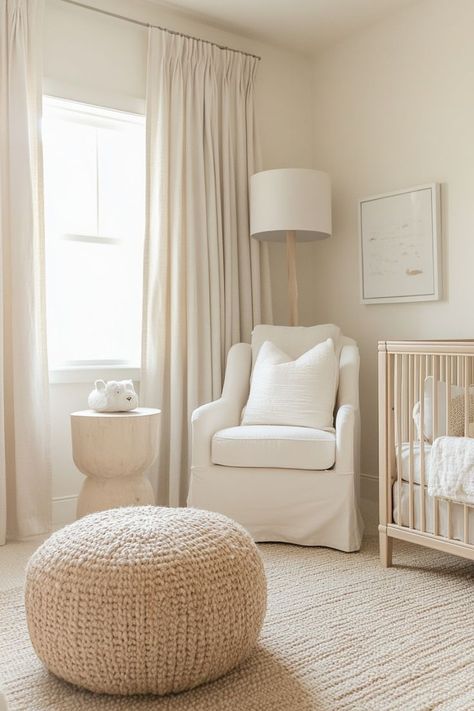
(94, 184)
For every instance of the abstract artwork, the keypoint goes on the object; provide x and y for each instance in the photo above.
(400, 246)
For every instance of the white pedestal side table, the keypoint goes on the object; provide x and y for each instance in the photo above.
(113, 450)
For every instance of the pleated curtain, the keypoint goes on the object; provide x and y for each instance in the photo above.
(25, 474)
(206, 282)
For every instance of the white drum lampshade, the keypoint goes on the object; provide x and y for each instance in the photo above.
(290, 204)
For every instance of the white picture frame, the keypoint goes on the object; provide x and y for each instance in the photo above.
(400, 246)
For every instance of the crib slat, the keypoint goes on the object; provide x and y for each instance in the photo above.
(435, 371)
(466, 396)
(411, 522)
(448, 375)
(398, 432)
(404, 407)
(421, 438)
(448, 432)
(390, 437)
(434, 385)
(467, 419)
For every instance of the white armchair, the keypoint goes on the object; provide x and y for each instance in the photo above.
(292, 484)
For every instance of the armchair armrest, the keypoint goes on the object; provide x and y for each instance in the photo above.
(224, 412)
(348, 415)
(345, 440)
(348, 390)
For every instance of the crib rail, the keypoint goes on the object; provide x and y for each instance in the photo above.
(426, 389)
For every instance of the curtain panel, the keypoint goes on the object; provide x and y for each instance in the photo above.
(25, 473)
(206, 282)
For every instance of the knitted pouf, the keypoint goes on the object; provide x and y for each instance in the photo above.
(145, 600)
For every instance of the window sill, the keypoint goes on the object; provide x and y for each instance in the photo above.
(89, 374)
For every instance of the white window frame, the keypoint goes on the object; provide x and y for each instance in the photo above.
(110, 370)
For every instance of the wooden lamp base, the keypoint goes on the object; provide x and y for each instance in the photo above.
(292, 277)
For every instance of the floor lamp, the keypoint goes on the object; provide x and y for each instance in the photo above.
(290, 204)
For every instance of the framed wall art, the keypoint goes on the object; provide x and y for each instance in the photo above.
(400, 246)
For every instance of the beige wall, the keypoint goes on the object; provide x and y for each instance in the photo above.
(394, 107)
(102, 60)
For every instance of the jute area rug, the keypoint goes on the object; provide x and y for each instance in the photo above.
(341, 633)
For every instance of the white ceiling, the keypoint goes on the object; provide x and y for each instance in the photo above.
(299, 25)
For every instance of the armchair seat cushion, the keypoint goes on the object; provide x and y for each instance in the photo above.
(274, 446)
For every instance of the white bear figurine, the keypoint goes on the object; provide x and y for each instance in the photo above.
(113, 396)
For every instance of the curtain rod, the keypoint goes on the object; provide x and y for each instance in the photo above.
(157, 27)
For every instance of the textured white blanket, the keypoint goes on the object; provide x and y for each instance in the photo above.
(451, 472)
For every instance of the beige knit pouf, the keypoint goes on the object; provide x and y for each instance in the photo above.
(145, 600)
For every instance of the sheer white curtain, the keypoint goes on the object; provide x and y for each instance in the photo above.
(206, 280)
(25, 484)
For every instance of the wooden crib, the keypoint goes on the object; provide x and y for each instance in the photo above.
(434, 379)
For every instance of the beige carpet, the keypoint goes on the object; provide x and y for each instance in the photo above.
(341, 633)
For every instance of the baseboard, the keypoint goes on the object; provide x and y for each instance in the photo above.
(64, 510)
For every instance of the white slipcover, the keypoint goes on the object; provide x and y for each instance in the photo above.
(274, 446)
(295, 505)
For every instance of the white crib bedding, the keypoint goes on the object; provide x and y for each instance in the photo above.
(404, 457)
(457, 513)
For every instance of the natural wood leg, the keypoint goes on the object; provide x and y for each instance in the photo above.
(292, 279)
(386, 548)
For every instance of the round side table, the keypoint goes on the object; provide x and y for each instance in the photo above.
(113, 450)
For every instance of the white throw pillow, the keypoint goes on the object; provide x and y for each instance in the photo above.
(297, 393)
(295, 340)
